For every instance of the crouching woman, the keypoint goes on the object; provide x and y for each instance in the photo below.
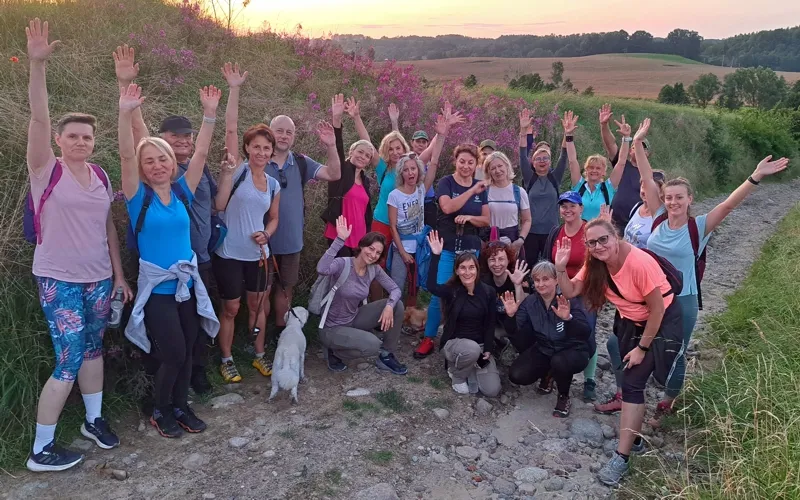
(470, 308)
(172, 303)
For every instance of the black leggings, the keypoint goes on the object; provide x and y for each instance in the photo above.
(200, 348)
(532, 365)
(172, 327)
(534, 247)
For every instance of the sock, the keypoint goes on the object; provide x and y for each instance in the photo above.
(45, 434)
(93, 404)
(383, 353)
(624, 457)
(259, 355)
(225, 360)
(637, 441)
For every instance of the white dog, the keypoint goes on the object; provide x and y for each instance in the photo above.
(290, 356)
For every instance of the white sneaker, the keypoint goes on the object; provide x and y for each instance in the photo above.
(462, 388)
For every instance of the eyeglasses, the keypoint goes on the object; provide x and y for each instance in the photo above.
(601, 240)
(282, 179)
(542, 159)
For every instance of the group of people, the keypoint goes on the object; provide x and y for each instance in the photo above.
(626, 238)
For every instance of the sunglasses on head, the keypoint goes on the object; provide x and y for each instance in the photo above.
(497, 244)
(659, 176)
(601, 240)
(282, 179)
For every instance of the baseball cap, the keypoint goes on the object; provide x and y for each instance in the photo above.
(420, 134)
(570, 196)
(488, 143)
(646, 144)
(176, 125)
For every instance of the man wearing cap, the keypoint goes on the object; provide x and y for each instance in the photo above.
(486, 148)
(627, 194)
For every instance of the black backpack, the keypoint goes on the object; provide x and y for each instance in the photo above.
(603, 189)
(674, 277)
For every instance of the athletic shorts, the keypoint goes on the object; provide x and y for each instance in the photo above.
(289, 268)
(234, 277)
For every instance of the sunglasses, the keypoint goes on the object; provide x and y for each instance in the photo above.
(659, 176)
(282, 179)
(409, 156)
(601, 240)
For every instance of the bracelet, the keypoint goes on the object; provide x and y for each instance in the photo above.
(569, 138)
(627, 139)
(753, 181)
(266, 234)
(206, 119)
(645, 349)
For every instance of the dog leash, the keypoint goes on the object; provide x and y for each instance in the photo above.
(262, 262)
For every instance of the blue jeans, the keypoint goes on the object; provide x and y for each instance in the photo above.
(689, 316)
(445, 272)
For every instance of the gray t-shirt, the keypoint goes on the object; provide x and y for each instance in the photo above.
(288, 239)
(244, 215)
(627, 195)
(201, 216)
(544, 205)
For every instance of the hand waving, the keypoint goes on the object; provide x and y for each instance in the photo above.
(455, 118)
(562, 311)
(39, 49)
(209, 98)
(342, 229)
(510, 303)
(441, 125)
(337, 108)
(563, 250)
(130, 98)
(436, 243)
(768, 167)
(524, 120)
(394, 113)
(623, 128)
(232, 75)
(570, 122)
(605, 212)
(644, 128)
(325, 134)
(605, 114)
(352, 107)
(520, 270)
(124, 66)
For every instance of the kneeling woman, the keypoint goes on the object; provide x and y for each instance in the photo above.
(470, 310)
(172, 303)
(347, 331)
(553, 336)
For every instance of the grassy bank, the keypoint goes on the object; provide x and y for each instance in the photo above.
(743, 417)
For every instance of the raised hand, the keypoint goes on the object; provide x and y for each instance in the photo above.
(644, 128)
(436, 243)
(233, 76)
(520, 270)
(605, 213)
(124, 66)
(623, 128)
(454, 118)
(337, 108)
(447, 108)
(342, 229)
(352, 107)
(563, 249)
(441, 127)
(228, 163)
(562, 311)
(570, 122)
(325, 134)
(605, 114)
(768, 167)
(209, 98)
(510, 304)
(130, 98)
(394, 113)
(39, 49)
(524, 120)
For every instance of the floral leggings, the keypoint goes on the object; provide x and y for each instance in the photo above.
(76, 315)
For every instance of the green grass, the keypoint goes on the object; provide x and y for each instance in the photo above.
(439, 383)
(743, 417)
(379, 457)
(393, 400)
(334, 476)
(662, 57)
(358, 407)
(414, 379)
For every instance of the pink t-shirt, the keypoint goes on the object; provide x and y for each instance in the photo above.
(354, 209)
(73, 223)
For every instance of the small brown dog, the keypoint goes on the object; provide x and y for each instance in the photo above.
(415, 318)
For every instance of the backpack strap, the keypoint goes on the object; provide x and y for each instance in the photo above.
(55, 176)
(552, 177)
(101, 174)
(634, 209)
(582, 189)
(148, 198)
(238, 182)
(694, 236)
(328, 299)
(302, 163)
(517, 196)
(606, 196)
(658, 220)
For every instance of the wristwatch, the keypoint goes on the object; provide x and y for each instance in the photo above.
(627, 139)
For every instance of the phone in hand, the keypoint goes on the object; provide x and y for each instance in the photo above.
(482, 362)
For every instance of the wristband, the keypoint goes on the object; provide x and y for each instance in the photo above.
(627, 139)
(569, 138)
(643, 348)
(206, 119)
(753, 181)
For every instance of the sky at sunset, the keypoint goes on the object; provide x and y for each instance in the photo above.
(492, 18)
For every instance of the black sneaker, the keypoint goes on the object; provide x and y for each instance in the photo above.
(200, 383)
(188, 420)
(545, 385)
(53, 458)
(165, 424)
(500, 346)
(390, 363)
(335, 364)
(100, 432)
(562, 406)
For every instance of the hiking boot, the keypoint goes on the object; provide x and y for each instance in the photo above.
(390, 363)
(165, 423)
(589, 386)
(188, 420)
(425, 348)
(562, 406)
(612, 472)
(229, 373)
(545, 385)
(663, 409)
(53, 458)
(100, 432)
(200, 383)
(335, 364)
(263, 365)
(610, 407)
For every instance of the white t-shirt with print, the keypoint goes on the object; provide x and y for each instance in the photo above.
(503, 209)
(410, 214)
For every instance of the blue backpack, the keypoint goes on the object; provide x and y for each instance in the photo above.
(423, 258)
(132, 236)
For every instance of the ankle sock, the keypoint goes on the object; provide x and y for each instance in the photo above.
(259, 355)
(94, 405)
(225, 360)
(383, 353)
(45, 434)
(624, 457)
(637, 441)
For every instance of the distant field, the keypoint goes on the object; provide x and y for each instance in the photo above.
(621, 75)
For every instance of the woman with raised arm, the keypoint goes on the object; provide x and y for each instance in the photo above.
(347, 331)
(647, 323)
(76, 262)
(681, 238)
(509, 207)
(468, 337)
(503, 271)
(172, 303)
(542, 185)
(463, 210)
(249, 200)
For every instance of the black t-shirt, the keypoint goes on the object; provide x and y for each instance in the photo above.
(469, 324)
(508, 286)
(447, 222)
(627, 194)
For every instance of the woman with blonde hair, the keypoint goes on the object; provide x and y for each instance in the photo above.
(171, 303)
(509, 209)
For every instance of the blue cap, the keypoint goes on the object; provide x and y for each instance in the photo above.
(570, 196)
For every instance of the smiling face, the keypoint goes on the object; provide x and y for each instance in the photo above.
(569, 211)
(76, 141)
(541, 162)
(361, 156)
(498, 263)
(602, 251)
(595, 171)
(419, 145)
(465, 165)
(283, 128)
(396, 150)
(545, 284)
(182, 145)
(259, 151)
(498, 171)
(677, 200)
(156, 166)
(371, 253)
(467, 272)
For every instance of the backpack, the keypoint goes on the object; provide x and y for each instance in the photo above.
(423, 259)
(32, 216)
(132, 236)
(674, 277)
(699, 260)
(603, 189)
(551, 177)
(324, 289)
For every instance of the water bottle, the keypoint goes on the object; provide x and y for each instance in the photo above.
(116, 309)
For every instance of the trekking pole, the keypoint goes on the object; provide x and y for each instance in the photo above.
(262, 262)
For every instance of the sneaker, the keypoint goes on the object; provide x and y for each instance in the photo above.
(562, 406)
(500, 346)
(610, 407)
(663, 409)
(53, 458)
(100, 433)
(589, 386)
(638, 449)
(165, 423)
(335, 364)
(545, 385)
(612, 472)
(425, 348)
(188, 420)
(461, 388)
(229, 372)
(200, 383)
(263, 365)
(390, 363)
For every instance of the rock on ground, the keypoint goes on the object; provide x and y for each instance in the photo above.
(483, 407)
(504, 486)
(381, 491)
(530, 474)
(585, 429)
(441, 413)
(467, 452)
(231, 398)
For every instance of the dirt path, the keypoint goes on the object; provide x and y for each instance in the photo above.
(413, 434)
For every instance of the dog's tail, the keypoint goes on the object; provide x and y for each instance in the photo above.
(287, 372)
